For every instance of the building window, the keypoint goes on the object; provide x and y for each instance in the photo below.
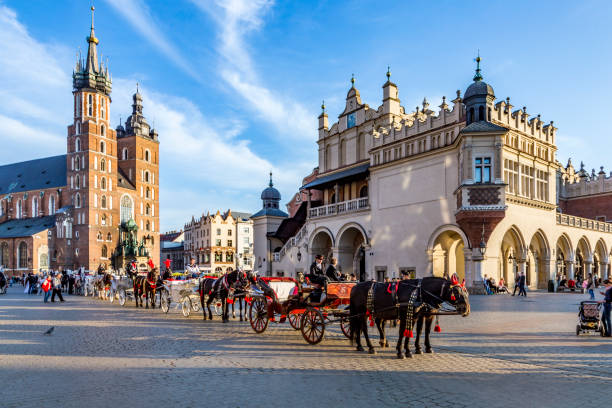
(22, 255)
(127, 206)
(77, 183)
(109, 237)
(218, 231)
(229, 233)
(102, 110)
(511, 176)
(148, 193)
(103, 201)
(77, 200)
(52, 205)
(125, 153)
(229, 243)
(103, 183)
(148, 210)
(102, 147)
(35, 207)
(146, 176)
(527, 177)
(147, 156)
(218, 257)
(77, 142)
(4, 255)
(99, 236)
(229, 257)
(102, 165)
(542, 185)
(482, 170)
(103, 219)
(363, 192)
(104, 251)
(90, 105)
(148, 226)
(103, 130)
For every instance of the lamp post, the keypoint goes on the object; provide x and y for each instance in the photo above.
(299, 256)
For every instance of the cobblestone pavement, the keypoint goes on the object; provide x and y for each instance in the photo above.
(509, 351)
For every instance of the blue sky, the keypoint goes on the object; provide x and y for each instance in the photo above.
(234, 87)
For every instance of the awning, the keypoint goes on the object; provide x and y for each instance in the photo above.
(345, 175)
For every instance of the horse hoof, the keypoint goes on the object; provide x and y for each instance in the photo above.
(418, 351)
(408, 355)
(386, 344)
(359, 348)
(429, 351)
(400, 356)
(371, 350)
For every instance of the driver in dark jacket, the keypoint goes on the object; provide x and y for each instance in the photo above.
(316, 274)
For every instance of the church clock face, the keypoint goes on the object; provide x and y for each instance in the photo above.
(350, 121)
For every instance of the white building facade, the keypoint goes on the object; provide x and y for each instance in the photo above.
(473, 189)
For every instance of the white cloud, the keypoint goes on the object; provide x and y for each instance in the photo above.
(235, 20)
(35, 98)
(138, 14)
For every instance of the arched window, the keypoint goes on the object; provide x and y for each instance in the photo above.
(127, 207)
(78, 132)
(481, 113)
(99, 236)
(52, 205)
(102, 147)
(148, 226)
(90, 105)
(103, 201)
(103, 183)
(103, 130)
(470, 117)
(104, 251)
(102, 165)
(77, 200)
(22, 255)
(147, 176)
(103, 219)
(489, 114)
(125, 153)
(4, 254)
(103, 109)
(34, 207)
(77, 182)
(77, 164)
(18, 208)
(77, 145)
(342, 153)
(148, 193)
(148, 210)
(363, 192)
(109, 237)
(147, 155)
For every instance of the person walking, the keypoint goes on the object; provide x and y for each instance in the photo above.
(591, 286)
(57, 288)
(607, 308)
(521, 283)
(47, 287)
(516, 285)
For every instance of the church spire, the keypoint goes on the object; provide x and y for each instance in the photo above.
(478, 75)
(92, 52)
(271, 184)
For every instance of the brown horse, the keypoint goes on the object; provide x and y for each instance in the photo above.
(146, 286)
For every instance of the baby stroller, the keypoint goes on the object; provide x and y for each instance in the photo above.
(588, 318)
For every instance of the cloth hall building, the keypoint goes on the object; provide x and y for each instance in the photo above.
(473, 188)
(95, 206)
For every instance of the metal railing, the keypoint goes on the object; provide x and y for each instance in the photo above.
(357, 204)
(294, 240)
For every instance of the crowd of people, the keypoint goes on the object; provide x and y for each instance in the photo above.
(51, 284)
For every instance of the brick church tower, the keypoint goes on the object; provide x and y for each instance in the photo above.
(91, 162)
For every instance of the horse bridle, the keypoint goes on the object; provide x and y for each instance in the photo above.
(452, 286)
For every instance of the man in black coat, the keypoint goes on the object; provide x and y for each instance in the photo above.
(332, 271)
(316, 274)
(521, 284)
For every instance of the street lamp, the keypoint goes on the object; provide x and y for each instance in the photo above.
(299, 256)
(482, 247)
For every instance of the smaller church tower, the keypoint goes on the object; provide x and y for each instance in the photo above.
(265, 223)
(478, 99)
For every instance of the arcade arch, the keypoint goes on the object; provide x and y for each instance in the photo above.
(446, 249)
(538, 260)
(351, 257)
(513, 256)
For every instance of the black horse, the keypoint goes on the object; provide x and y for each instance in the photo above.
(211, 289)
(145, 286)
(411, 301)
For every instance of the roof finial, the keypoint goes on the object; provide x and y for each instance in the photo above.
(136, 87)
(92, 16)
(352, 80)
(323, 106)
(388, 73)
(271, 184)
(478, 76)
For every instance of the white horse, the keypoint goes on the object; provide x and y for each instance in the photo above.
(88, 286)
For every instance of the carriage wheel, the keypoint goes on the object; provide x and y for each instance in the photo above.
(122, 297)
(218, 306)
(258, 315)
(164, 301)
(295, 320)
(313, 326)
(196, 306)
(346, 327)
(186, 306)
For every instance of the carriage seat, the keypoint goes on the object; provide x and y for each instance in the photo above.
(282, 289)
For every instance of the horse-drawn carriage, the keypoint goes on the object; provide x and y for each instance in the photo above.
(306, 309)
(183, 292)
